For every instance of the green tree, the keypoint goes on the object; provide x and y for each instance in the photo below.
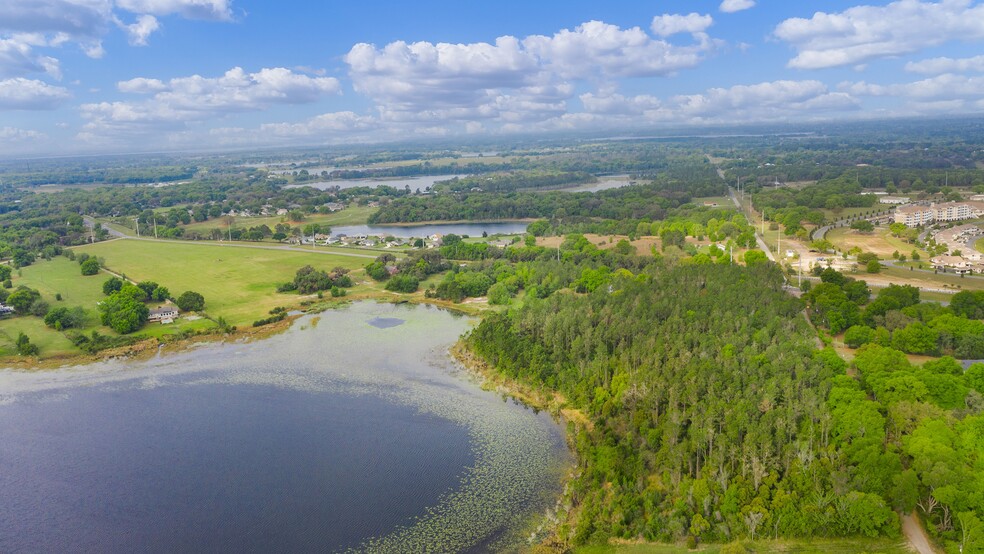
(123, 313)
(25, 347)
(873, 266)
(90, 267)
(5, 271)
(112, 285)
(190, 301)
(863, 226)
(22, 299)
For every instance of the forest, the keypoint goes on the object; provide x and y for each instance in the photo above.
(716, 416)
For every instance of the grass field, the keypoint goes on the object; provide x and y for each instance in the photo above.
(353, 215)
(818, 546)
(49, 342)
(881, 242)
(238, 283)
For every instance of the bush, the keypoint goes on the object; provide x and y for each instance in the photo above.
(403, 283)
(90, 266)
(65, 318)
(24, 346)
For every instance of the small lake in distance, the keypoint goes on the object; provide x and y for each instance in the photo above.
(416, 182)
(350, 432)
(426, 230)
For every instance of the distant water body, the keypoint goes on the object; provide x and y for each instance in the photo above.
(419, 182)
(352, 431)
(426, 230)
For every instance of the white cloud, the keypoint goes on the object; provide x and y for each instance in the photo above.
(597, 48)
(26, 26)
(864, 33)
(732, 6)
(935, 66)
(214, 10)
(141, 85)
(944, 87)
(670, 24)
(15, 135)
(514, 79)
(29, 94)
(609, 102)
(198, 98)
(139, 31)
(329, 124)
(17, 57)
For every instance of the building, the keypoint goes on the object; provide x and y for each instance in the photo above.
(164, 314)
(914, 215)
(954, 264)
(952, 211)
(899, 200)
(5, 309)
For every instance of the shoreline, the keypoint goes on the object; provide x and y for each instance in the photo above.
(571, 419)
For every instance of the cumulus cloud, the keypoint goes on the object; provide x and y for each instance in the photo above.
(935, 66)
(29, 94)
(596, 47)
(27, 26)
(214, 10)
(515, 79)
(864, 33)
(18, 58)
(768, 101)
(731, 6)
(670, 24)
(139, 31)
(15, 135)
(946, 87)
(197, 98)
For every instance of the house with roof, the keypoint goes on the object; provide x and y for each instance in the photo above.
(163, 314)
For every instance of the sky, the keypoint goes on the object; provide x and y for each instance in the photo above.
(109, 76)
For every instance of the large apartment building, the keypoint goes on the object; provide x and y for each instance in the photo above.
(913, 215)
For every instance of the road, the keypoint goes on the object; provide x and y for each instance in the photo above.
(917, 537)
(758, 238)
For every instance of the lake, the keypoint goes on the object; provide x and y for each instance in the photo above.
(406, 231)
(417, 182)
(351, 431)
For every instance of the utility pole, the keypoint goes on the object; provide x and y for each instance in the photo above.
(155, 226)
(136, 223)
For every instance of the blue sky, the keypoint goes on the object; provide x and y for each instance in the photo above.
(89, 76)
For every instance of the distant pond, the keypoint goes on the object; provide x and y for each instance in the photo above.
(407, 231)
(352, 431)
(418, 182)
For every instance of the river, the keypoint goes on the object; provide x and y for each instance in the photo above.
(351, 431)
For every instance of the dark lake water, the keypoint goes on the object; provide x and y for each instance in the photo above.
(419, 231)
(352, 431)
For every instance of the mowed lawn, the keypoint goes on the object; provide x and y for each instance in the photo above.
(353, 215)
(238, 283)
